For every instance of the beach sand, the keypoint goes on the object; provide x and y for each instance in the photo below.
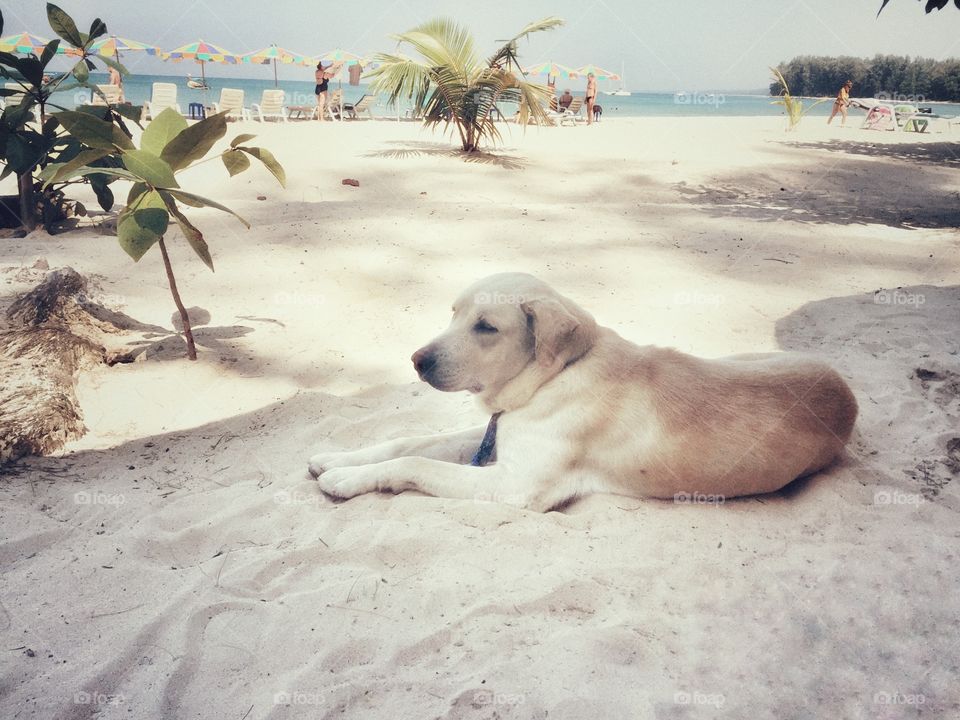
(178, 562)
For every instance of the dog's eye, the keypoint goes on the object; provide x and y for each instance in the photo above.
(484, 328)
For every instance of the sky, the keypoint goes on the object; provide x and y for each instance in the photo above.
(662, 46)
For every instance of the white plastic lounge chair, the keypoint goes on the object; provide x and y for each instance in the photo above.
(231, 102)
(363, 105)
(572, 114)
(270, 106)
(334, 105)
(164, 96)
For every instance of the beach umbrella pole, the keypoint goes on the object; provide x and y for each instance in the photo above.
(275, 72)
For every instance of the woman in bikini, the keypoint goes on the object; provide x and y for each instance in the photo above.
(841, 103)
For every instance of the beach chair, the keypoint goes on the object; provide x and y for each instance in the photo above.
(571, 115)
(334, 106)
(112, 93)
(164, 95)
(231, 102)
(363, 105)
(270, 106)
(880, 117)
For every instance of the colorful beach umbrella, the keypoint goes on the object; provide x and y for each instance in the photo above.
(598, 72)
(26, 43)
(112, 47)
(340, 56)
(274, 55)
(551, 69)
(202, 52)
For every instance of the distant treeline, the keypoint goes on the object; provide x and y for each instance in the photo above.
(892, 77)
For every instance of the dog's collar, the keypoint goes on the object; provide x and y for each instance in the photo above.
(489, 442)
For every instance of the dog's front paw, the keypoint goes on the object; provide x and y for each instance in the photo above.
(321, 462)
(347, 482)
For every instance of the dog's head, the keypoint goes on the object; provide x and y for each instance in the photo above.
(502, 327)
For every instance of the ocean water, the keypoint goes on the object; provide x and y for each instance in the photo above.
(137, 89)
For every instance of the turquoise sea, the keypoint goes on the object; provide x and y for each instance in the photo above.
(690, 103)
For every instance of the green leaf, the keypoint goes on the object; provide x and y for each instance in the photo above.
(106, 172)
(235, 162)
(195, 142)
(62, 171)
(166, 126)
(267, 158)
(48, 52)
(63, 25)
(104, 194)
(31, 69)
(142, 225)
(150, 168)
(97, 28)
(191, 233)
(241, 139)
(92, 131)
(81, 72)
(198, 202)
(20, 155)
(136, 190)
(112, 62)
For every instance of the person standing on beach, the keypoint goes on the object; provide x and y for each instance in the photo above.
(116, 79)
(841, 103)
(591, 96)
(323, 79)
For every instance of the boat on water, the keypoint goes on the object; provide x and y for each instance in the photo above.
(622, 92)
(196, 84)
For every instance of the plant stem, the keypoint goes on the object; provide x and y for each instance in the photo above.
(187, 331)
(28, 205)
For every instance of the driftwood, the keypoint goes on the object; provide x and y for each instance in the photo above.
(54, 332)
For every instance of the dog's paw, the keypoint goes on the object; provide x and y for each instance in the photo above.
(321, 462)
(347, 482)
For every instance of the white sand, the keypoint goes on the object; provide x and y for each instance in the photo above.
(177, 562)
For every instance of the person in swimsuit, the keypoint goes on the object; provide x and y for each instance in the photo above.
(591, 96)
(841, 103)
(323, 79)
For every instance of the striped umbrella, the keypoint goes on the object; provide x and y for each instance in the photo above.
(203, 52)
(111, 46)
(27, 44)
(551, 69)
(274, 55)
(598, 72)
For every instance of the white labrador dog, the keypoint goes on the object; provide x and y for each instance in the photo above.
(578, 410)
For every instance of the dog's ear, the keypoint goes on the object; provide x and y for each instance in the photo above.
(560, 335)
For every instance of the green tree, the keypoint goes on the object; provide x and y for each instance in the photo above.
(450, 83)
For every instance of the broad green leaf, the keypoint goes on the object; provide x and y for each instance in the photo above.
(191, 233)
(81, 72)
(62, 171)
(149, 168)
(130, 112)
(92, 131)
(136, 190)
(166, 126)
(112, 62)
(235, 162)
(20, 155)
(104, 194)
(97, 28)
(31, 69)
(48, 52)
(195, 142)
(197, 201)
(239, 139)
(63, 25)
(114, 172)
(267, 158)
(141, 226)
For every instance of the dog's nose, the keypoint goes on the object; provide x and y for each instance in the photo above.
(423, 361)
